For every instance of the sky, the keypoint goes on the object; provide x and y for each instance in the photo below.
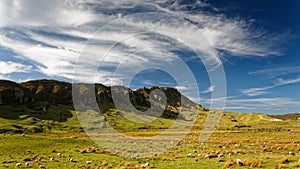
(236, 55)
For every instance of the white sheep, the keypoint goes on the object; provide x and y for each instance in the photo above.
(19, 165)
(71, 159)
(42, 167)
(27, 164)
(146, 165)
(229, 155)
(239, 162)
(206, 156)
(189, 155)
(221, 155)
(291, 153)
(58, 154)
(39, 159)
(51, 159)
(88, 162)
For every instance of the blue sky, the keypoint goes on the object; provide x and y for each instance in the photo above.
(187, 44)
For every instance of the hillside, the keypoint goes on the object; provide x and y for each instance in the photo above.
(47, 106)
(44, 105)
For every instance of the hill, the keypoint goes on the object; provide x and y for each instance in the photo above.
(47, 106)
(293, 116)
(44, 105)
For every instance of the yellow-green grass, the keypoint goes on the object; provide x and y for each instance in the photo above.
(257, 139)
(265, 149)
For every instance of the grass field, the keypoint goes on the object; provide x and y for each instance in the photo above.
(258, 140)
(255, 149)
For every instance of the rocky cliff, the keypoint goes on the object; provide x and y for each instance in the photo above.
(40, 94)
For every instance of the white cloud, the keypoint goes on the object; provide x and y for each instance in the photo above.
(44, 13)
(13, 67)
(181, 88)
(144, 40)
(255, 91)
(282, 82)
(263, 90)
(262, 103)
(276, 72)
(209, 90)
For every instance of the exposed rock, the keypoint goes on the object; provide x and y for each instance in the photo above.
(39, 95)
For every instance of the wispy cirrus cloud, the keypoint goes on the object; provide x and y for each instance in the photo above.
(265, 104)
(263, 90)
(208, 90)
(144, 40)
(277, 72)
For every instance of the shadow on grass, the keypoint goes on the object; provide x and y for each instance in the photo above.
(54, 113)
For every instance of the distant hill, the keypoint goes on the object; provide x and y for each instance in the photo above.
(292, 116)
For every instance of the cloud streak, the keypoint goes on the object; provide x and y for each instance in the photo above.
(263, 90)
(277, 72)
(208, 90)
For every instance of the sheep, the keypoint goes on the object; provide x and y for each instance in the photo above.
(206, 156)
(221, 155)
(39, 159)
(189, 155)
(42, 167)
(239, 162)
(71, 159)
(229, 155)
(146, 165)
(19, 165)
(58, 154)
(88, 162)
(27, 164)
(291, 153)
(51, 159)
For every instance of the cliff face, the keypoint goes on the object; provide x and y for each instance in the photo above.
(54, 92)
(37, 94)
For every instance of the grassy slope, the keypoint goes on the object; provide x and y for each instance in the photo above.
(270, 145)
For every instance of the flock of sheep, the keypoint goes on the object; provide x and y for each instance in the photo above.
(59, 155)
